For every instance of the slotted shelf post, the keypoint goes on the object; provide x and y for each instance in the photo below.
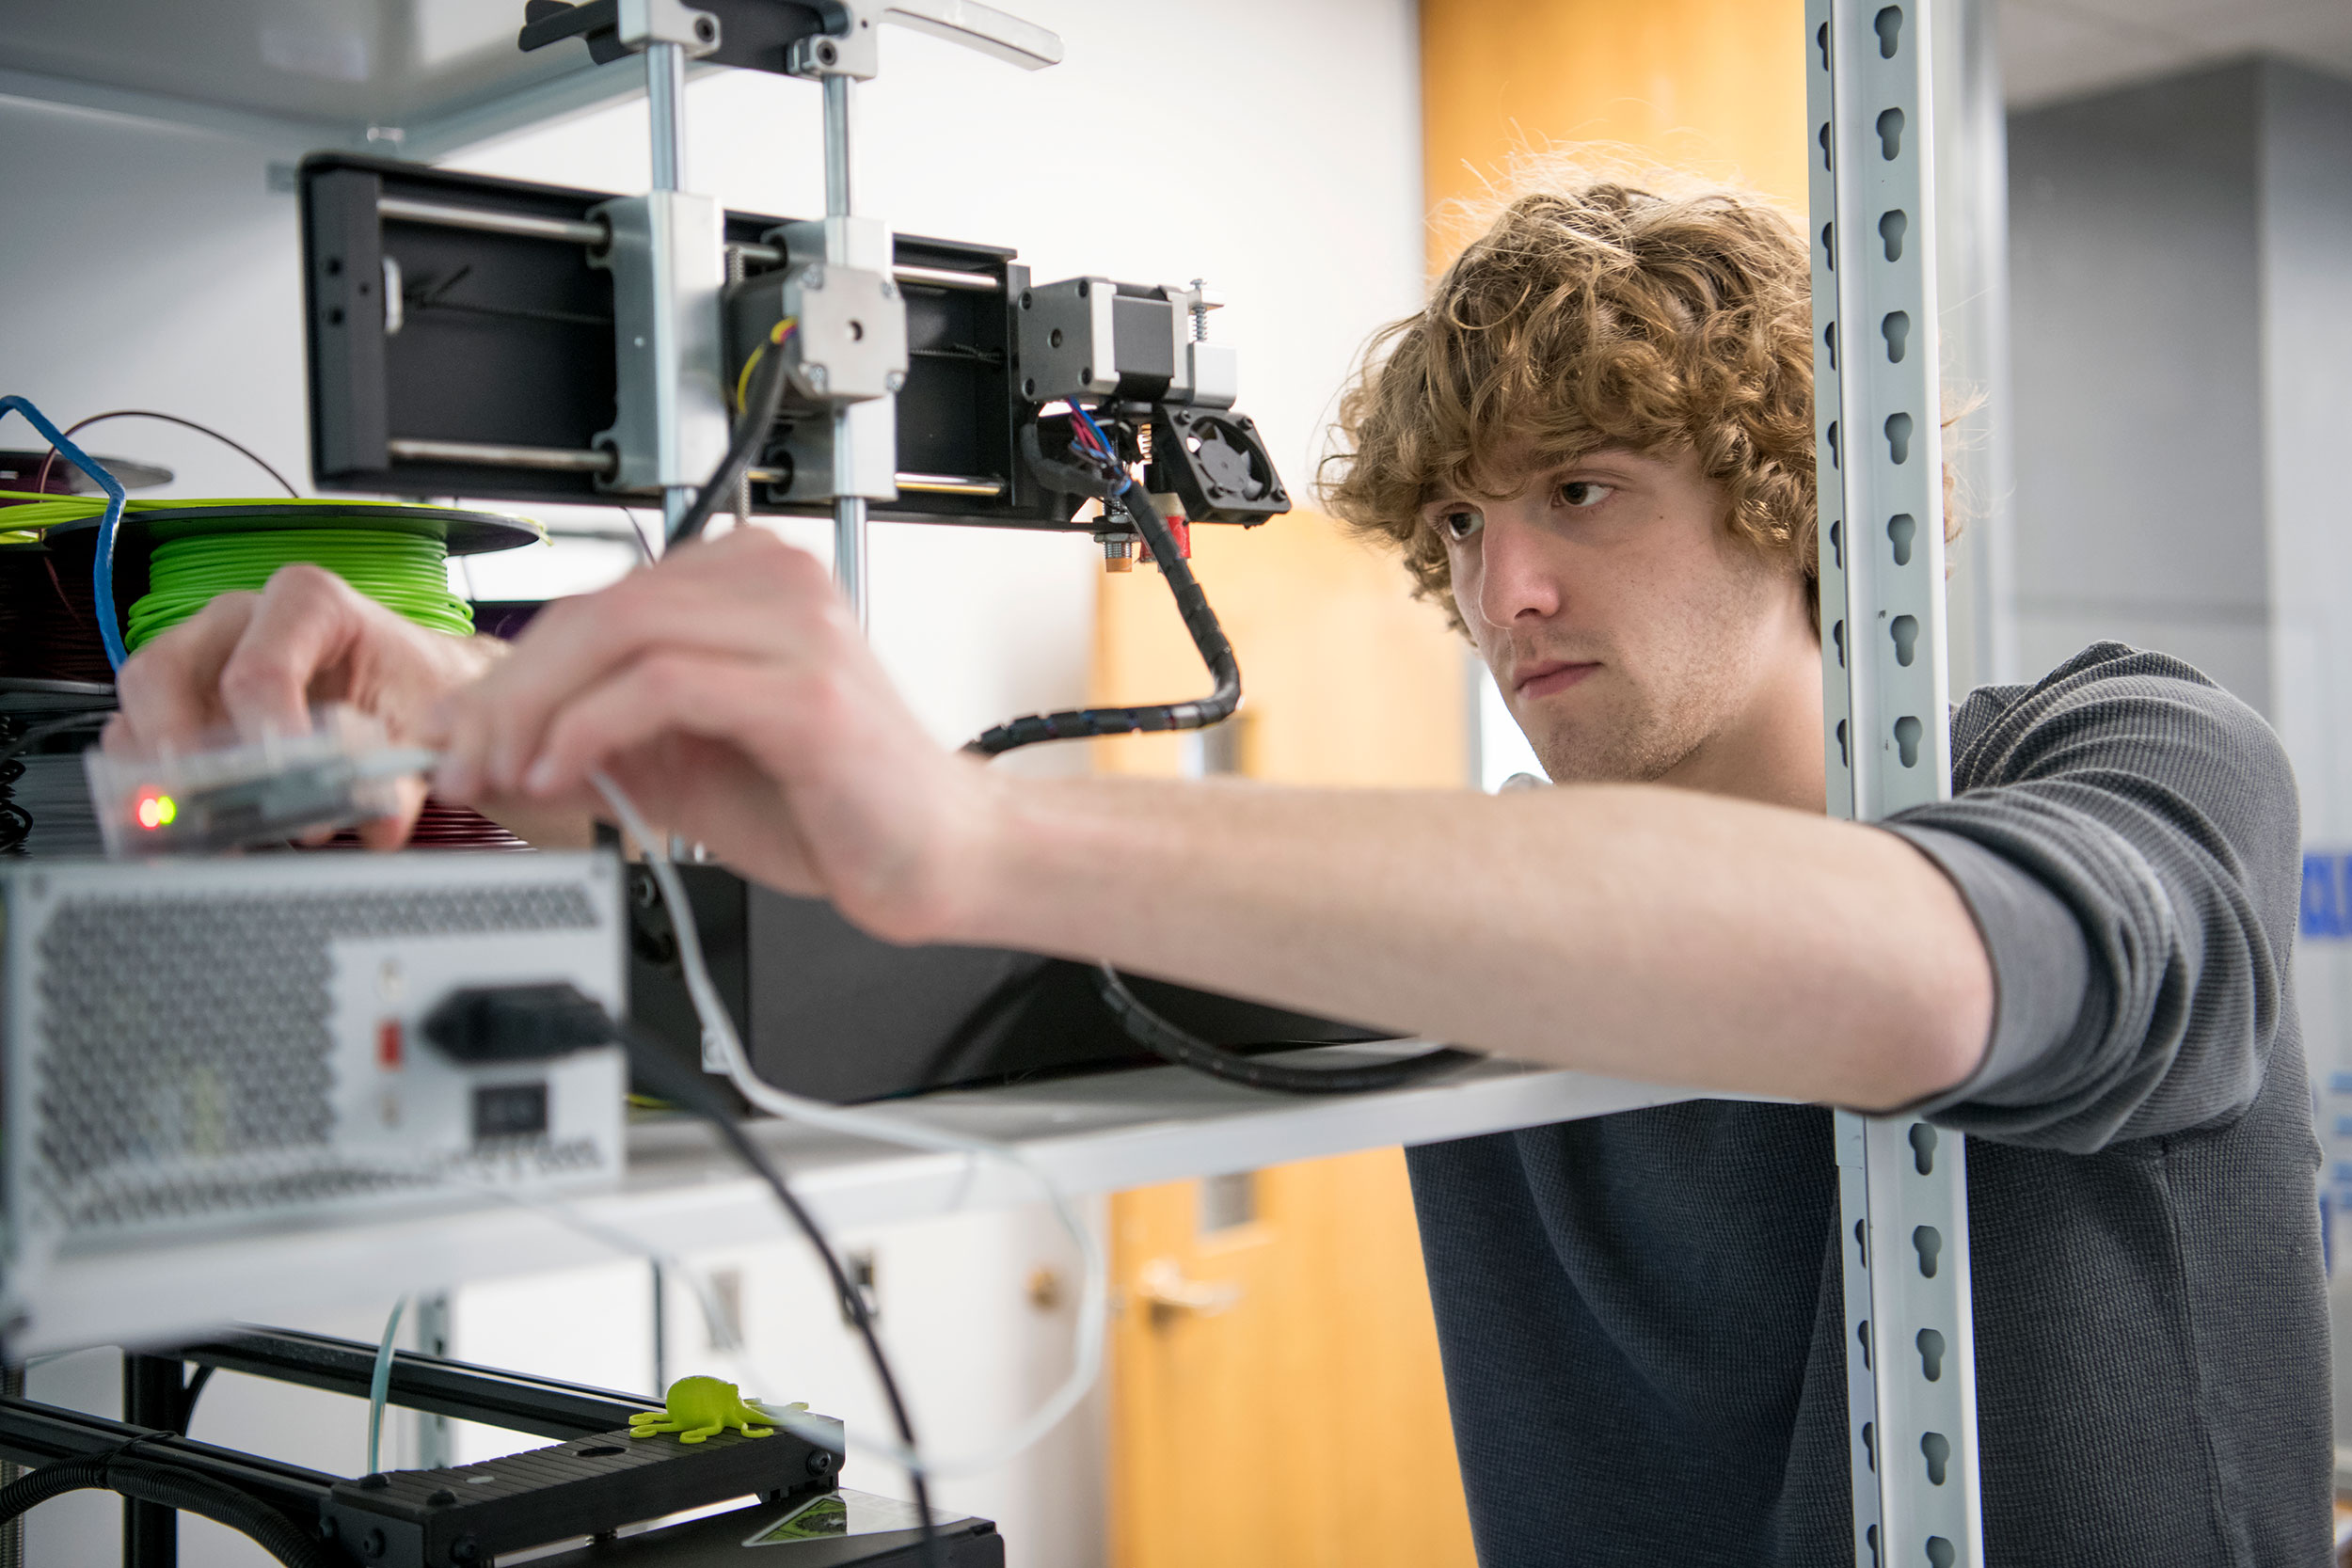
(1902, 1184)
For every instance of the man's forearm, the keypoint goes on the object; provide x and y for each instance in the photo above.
(1638, 931)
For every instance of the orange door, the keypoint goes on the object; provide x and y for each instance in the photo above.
(1275, 1398)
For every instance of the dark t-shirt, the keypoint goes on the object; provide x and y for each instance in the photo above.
(1641, 1313)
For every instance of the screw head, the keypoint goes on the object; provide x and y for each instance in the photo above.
(817, 377)
(820, 1462)
(895, 380)
(375, 1481)
(372, 1545)
(440, 1496)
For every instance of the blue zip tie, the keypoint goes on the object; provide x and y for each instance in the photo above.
(103, 563)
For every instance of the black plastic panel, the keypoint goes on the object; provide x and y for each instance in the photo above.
(507, 341)
(828, 1011)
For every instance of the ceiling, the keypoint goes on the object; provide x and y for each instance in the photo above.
(2054, 49)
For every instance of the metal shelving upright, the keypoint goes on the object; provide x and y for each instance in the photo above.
(1902, 1184)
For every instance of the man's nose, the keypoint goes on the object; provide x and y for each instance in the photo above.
(1518, 579)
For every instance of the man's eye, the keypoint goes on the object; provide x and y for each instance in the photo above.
(1583, 492)
(1462, 525)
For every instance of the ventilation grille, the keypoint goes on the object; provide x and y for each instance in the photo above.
(185, 1063)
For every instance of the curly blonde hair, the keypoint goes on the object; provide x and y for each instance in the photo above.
(1586, 318)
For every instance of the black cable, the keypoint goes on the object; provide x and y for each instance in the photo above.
(188, 1396)
(761, 400)
(170, 1485)
(653, 1065)
(41, 732)
(1171, 1044)
(41, 480)
(1200, 621)
(1146, 1028)
(16, 823)
(637, 537)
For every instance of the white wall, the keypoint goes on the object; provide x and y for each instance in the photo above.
(1272, 149)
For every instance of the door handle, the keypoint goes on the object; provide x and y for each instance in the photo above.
(1162, 1283)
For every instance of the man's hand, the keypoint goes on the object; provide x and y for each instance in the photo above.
(256, 661)
(729, 691)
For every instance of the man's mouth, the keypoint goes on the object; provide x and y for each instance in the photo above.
(1541, 678)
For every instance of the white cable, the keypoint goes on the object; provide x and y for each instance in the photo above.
(380, 1384)
(721, 1040)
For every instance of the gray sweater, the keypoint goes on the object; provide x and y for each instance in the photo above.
(1640, 1314)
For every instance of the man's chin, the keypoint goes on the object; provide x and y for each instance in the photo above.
(1583, 755)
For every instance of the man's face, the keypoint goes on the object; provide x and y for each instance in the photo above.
(1632, 636)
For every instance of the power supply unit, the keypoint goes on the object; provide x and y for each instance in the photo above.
(209, 1047)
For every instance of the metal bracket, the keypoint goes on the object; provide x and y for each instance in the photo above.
(847, 46)
(1903, 1183)
(645, 23)
(667, 274)
(617, 27)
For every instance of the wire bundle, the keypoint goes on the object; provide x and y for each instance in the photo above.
(404, 571)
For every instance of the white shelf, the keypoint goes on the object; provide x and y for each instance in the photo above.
(683, 1195)
(402, 78)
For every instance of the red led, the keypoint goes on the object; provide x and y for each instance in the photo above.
(388, 1044)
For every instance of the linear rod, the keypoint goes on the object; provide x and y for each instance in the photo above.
(566, 460)
(401, 209)
(441, 215)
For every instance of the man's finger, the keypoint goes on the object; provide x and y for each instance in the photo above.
(305, 622)
(672, 691)
(169, 695)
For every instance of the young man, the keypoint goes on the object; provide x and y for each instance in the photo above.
(1596, 444)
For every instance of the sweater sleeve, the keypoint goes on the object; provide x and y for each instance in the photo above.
(2127, 837)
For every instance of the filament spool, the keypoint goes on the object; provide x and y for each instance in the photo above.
(175, 557)
(407, 572)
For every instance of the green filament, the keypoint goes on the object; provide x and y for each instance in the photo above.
(404, 571)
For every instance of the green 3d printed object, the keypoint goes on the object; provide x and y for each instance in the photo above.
(699, 1406)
